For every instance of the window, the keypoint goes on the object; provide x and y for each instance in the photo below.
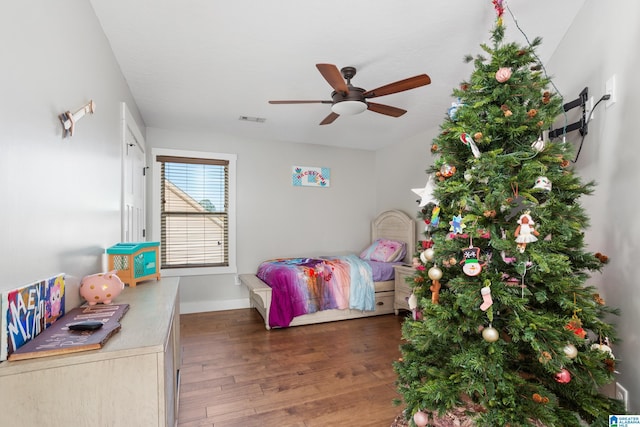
(195, 206)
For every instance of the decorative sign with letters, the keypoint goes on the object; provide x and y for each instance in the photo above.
(311, 176)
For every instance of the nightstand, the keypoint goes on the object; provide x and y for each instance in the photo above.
(402, 288)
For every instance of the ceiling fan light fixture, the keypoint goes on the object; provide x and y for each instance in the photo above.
(349, 108)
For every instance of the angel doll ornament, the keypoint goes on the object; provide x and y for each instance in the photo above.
(525, 232)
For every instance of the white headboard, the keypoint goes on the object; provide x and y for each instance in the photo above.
(395, 225)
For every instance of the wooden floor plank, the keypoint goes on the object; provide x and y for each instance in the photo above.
(236, 373)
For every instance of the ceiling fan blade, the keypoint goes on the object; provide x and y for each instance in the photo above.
(300, 102)
(399, 86)
(330, 118)
(332, 75)
(385, 109)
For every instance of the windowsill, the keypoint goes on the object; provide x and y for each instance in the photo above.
(204, 271)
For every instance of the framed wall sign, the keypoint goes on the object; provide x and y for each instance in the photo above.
(306, 176)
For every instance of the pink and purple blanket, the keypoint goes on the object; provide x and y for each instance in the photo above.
(307, 285)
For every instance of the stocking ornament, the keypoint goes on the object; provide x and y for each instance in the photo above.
(486, 297)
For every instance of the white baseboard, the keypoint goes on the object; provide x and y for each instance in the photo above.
(204, 306)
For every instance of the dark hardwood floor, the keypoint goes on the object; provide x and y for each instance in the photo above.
(236, 373)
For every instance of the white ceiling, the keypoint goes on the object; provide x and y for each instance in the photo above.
(201, 64)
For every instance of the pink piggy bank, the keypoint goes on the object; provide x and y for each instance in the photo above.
(101, 287)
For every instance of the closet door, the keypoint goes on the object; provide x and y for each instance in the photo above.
(133, 180)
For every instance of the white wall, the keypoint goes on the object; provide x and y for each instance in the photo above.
(274, 218)
(60, 197)
(401, 167)
(604, 41)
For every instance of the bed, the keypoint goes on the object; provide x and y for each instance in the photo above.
(393, 225)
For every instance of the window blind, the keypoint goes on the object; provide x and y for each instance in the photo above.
(194, 212)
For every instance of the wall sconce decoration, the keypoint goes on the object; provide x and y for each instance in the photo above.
(69, 120)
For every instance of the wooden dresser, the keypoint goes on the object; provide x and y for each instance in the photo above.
(132, 381)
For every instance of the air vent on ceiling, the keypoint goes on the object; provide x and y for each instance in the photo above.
(252, 119)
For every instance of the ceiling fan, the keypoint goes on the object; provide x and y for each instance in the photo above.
(348, 100)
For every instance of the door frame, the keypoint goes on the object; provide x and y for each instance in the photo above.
(129, 123)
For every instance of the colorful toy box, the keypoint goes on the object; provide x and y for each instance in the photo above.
(135, 262)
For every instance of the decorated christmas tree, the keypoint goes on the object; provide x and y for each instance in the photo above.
(504, 327)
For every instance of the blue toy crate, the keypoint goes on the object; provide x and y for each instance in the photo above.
(135, 262)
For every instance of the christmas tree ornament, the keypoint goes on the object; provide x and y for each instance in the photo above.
(435, 216)
(453, 110)
(420, 419)
(545, 357)
(457, 225)
(610, 365)
(415, 262)
(503, 74)
(540, 399)
(435, 291)
(426, 244)
(601, 257)
(563, 377)
(447, 171)
(532, 113)
(426, 193)
(506, 259)
(538, 144)
(497, 4)
(520, 203)
(412, 301)
(449, 262)
(428, 255)
(435, 273)
(490, 213)
(486, 298)
(603, 348)
(468, 141)
(570, 351)
(490, 334)
(471, 261)
(542, 183)
(575, 325)
(525, 232)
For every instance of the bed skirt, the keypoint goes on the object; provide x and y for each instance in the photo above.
(260, 299)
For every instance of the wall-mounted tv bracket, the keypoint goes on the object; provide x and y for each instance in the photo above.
(581, 124)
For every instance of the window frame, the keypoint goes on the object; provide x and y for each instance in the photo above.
(156, 210)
